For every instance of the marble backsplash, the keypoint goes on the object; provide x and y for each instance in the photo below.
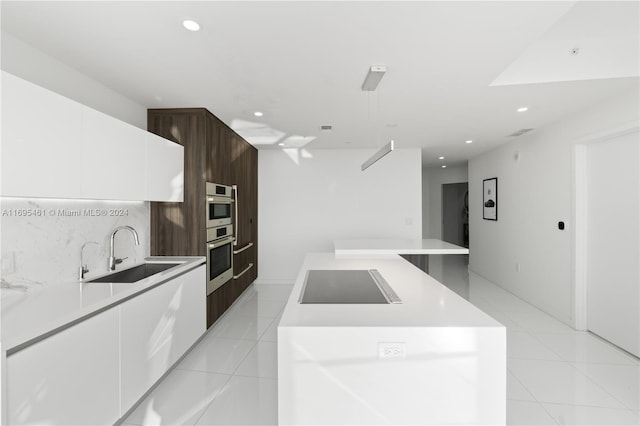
(41, 239)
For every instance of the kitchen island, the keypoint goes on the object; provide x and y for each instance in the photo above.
(434, 358)
(412, 250)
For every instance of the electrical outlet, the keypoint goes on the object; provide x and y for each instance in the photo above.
(517, 267)
(408, 221)
(392, 350)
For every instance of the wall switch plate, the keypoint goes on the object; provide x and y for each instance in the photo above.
(517, 267)
(387, 350)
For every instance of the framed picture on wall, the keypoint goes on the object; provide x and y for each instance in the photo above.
(490, 199)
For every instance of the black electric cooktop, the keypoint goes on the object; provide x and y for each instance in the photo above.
(347, 286)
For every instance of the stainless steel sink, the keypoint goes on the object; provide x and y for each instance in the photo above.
(134, 274)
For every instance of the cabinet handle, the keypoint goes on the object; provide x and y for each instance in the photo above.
(235, 195)
(243, 248)
(235, 277)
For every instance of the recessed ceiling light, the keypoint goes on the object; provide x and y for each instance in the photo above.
(468, 141)
(258, 114)
(523, 109)
(281, 144)
(440, 158)
(444, 166)
(191, 25)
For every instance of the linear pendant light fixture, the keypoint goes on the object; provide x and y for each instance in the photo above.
(371, 81)
(378, 155)
(375, 74)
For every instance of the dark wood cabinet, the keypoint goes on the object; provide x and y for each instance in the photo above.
(213, 152)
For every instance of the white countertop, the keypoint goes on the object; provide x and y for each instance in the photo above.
(426, 302)
(29, 314)
(396, 246)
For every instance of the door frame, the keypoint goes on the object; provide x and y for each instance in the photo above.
(580, 217)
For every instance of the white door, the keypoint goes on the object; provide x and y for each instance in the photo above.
(613, 231)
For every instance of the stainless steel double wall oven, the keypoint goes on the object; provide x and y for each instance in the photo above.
(220, 235)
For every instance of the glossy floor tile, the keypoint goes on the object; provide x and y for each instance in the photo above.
(584, 347)
(244, 401)
(555, 376)
(560, 382)
(621, 381)
(527, 413)
(238, 326)
(516, 391)
(522, 345)
(181, 399)
(579, 415)
(259, 306)
(271, 334)
(217, 355)
(262, 361)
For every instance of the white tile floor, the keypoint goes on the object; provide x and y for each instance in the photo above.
(556, 376)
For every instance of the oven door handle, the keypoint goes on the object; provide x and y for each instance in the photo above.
(235, 222)
(221, 200)
(220, 243)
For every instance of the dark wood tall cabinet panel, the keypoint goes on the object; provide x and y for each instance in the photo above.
(218, 151)
(175, 229)
(213, 152)
(244, 173)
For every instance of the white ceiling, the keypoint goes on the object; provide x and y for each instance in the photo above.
(455, 70)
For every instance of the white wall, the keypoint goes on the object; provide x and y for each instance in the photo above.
(434, 177)
(23, 60)
(307, 199)
(534, 193)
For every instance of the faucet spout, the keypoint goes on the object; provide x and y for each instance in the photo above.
(113, 261)
(83, 268)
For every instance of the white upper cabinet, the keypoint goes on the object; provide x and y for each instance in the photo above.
(53, 147)
(113, 158)
(41, 146)
(165, 169)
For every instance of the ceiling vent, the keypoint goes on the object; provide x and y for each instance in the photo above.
(520, 133)
(326, 128)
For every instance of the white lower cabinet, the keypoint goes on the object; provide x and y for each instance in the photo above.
(69, 378)
(157, 328)
(93, 372)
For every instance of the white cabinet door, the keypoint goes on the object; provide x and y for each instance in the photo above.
(70, 378)
(41, 146)
(157, 327)
(164, 169)
(113, 158)
(613, 248)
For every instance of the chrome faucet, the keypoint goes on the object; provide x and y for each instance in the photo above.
(113, 261)
(84, 268)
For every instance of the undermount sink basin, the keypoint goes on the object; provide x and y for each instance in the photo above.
(134, 274)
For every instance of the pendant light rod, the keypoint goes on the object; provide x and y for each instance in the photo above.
(378, 155)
